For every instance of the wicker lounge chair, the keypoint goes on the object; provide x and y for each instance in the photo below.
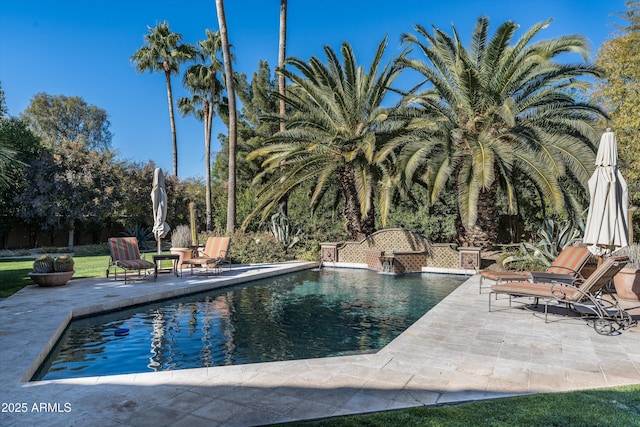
(583, 297)
(213, 256)
(565, 268)
(126, 256)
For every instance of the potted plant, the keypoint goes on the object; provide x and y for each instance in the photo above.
(627, 281)
(49, 271)
(181, 243)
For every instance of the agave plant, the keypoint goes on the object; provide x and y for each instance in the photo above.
(281, 230)
(141, 233)
(552, 239)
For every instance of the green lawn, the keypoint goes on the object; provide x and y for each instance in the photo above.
(619, 406)
(13, 271)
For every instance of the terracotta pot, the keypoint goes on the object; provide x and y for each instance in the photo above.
(51, 279)
(185, 254)
(627, 283)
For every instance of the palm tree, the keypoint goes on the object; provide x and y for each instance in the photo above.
(333, 137)
(494, 112)
(162, 51)
(8, 158)
(233, 117)
(206, 89)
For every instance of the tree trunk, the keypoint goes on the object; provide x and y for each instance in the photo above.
(174, 139)
(72, 231)
(283, 203)
(233, 120)
(484, 232)
(208, 123)
(356, 225)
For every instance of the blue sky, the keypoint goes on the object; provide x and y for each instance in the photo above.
(83, 48)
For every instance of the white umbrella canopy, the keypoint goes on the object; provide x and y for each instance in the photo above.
(607, 228)
(159, 202)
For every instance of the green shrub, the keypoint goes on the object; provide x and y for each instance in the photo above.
(248, 248)
(91, 250)
(54, 250)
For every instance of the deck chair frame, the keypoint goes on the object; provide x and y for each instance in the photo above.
(212, 257)
(125, 255)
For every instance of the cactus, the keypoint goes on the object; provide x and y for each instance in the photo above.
(43, 264)
(192, 221)
(63, 263)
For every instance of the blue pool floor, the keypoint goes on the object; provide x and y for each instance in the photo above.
(456, 352)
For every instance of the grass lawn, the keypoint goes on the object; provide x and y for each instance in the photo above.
(13, 271)
(619, 406)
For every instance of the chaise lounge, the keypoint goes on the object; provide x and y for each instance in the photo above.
(213, 256)
(565, 268)
(583, 296)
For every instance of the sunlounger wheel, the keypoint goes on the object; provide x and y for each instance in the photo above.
(605, 326)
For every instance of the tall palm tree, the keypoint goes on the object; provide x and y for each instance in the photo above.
(206, 89)
(495, 111)
(233, 117)
(162, 51)
(333, 137)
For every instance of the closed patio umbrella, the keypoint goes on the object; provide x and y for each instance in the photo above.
(607, 228)
(159, 201)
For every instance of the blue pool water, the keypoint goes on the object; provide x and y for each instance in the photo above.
(301, 315)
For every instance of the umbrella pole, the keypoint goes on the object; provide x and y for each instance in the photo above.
(159, 246)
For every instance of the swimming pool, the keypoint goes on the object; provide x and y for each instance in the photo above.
(301, 315)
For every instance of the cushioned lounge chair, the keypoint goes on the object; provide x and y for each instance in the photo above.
(125, 255)
(584, 296)
(565, 268)
(212, 257)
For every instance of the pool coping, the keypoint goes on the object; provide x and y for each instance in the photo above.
(456, 352)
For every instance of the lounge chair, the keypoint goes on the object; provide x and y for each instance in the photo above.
(126, 255)
(584, 296)
(565, 268)
(212, 257)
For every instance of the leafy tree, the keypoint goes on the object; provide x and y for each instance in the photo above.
(162, 51)
(59, 119)
(335, 137)
(496, 110)
(233, 119)
(254, 127)
(69, 186)
(23, 146)
(619, 91)
(206, 89)
(4, 111)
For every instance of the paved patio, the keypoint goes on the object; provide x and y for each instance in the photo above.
(456, 352)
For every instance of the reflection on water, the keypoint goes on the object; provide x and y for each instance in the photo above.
(297, 316)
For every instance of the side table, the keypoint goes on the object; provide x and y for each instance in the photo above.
(158, 258)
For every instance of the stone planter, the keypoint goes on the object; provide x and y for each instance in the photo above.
(627, 283)
(51, 279)
(185, 254)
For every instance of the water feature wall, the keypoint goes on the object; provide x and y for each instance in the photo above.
(396, 250)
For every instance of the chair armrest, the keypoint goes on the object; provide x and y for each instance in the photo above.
(570, 270)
